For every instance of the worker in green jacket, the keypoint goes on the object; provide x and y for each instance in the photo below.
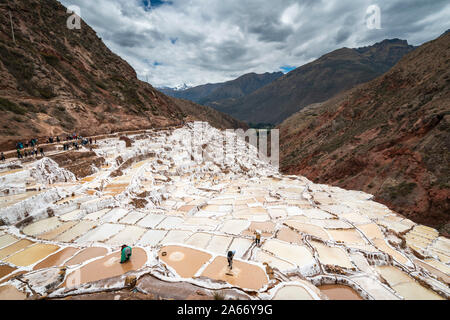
(126, 253)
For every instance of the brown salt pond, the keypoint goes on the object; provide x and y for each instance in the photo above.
(32, 254)
(56, 260)
(13, 248)
(5, 270)
(11, 293)
(13, 275)
(87, 254)
(339, 292)
(288, 235)
(243, 275)
(185, 261)
(107, 267)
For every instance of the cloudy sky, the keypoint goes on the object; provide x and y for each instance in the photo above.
(206, 41)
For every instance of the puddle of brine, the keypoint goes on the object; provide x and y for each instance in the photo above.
(87, 254)
(339, 292)
(11, 293)
(55, 260)
(243, 275)
(185, 261)
(31, 254)
(106, 267)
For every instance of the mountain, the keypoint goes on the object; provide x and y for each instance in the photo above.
(389, 137)
(181, 87)
(317, 81)
(217, 94)
(55, 80)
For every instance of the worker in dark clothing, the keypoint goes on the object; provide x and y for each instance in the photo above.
(19, 155)
(125, 253)
(230, 257)
(2, 157)
(41, 150)
(258, 238)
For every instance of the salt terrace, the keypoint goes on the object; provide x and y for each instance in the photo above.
(61, 236)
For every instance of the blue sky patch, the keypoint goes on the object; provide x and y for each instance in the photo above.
(151, 4)
(287, 69)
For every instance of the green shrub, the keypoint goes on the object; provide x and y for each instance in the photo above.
(7, 105)
(50, 59)
(46, 92)
(401, 190)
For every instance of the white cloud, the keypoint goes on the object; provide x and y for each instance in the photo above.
(201, 41)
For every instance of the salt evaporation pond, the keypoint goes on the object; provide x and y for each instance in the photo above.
(106, 267)
(339, 292)
(185, 261)
(87, 254)
(292, 292)
(243, 275)
(154, 196)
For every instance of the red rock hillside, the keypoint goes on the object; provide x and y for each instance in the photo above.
(54, 80)
(389, 137)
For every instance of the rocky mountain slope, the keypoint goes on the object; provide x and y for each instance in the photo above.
(56, 80)
(317, 81)
(218, 94)
(389, 137)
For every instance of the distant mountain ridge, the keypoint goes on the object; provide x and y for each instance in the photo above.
(316, 82)
(216, 94)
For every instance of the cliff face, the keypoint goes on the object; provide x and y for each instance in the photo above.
(317, 81)
(389, 137)
(56, 80)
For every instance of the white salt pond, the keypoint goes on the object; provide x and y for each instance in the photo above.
(295, 254)
(102, 233)
(292, 292)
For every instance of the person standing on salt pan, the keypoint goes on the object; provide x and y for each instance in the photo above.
(126, 253)
(230, 258)
(257, 237)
